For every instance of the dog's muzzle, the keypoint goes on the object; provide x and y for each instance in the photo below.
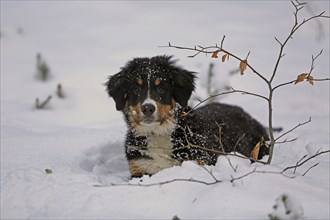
(148, 111)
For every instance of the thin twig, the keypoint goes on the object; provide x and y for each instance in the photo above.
(292, 129)
(211, 173)
(312, 64)
(229, 92)
(191, 180)
(310, 168)
(286, 141)
(295, 168)
(43, 103)
(219, 152)
(233, 179)
(231, 165)
(245, 175)
(293, 81)
(304, 161)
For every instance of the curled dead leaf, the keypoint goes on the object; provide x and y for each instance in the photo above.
(310, 79)
(255, 151)
(242, 66)
(215, 54)
(224, 57)
(301, 78)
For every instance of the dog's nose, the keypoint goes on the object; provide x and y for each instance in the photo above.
(148, 109)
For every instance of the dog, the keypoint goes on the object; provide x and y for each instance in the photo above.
(163, 131)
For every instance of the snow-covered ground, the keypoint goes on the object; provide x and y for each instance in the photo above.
(80, 138)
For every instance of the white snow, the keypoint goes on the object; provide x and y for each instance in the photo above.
(80, 138)
(287, 207)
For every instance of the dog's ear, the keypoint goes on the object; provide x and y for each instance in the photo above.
(117, 89)
(183, 85)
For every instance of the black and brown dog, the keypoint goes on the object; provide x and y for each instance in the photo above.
(162, 131)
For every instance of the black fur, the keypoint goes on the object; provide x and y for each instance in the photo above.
(201, 134)
(225, 128)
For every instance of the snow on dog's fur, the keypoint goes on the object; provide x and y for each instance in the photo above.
(163, 131)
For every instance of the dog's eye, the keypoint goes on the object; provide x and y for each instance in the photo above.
(160, 89)
(136, 90)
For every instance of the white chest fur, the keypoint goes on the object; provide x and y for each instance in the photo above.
(160, 150)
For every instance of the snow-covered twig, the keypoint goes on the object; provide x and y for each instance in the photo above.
(191, 180)
(303, 161)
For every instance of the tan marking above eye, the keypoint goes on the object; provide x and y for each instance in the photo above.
(157, 82)
(139, 81)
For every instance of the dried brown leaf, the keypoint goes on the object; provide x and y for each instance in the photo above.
(224, 57)
(242, 66)
(215, 54)
(301, 78)
(255, 152)
(310, 79)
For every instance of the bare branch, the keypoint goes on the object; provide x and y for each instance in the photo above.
(229, 92)
(301, 162)
(211, 173)
(283, 84)
(247, 56)
(295, 27)
(233, 179)
(293, 81)
(219, 138)
(238, 141)
(300, 124)
(297, 24)
(245, 175)
(278, 41)
(325, 79)
(286, 141)
(295, 168)
(211, 50)
(223, 39)
(191, 180)
(231, 165)
(312, 64)
(310, 168)
(259, 172)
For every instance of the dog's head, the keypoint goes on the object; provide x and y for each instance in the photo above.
(148, 90)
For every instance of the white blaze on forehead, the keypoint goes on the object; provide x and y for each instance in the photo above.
(148, 82)
(148, 76)
(149, 101)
